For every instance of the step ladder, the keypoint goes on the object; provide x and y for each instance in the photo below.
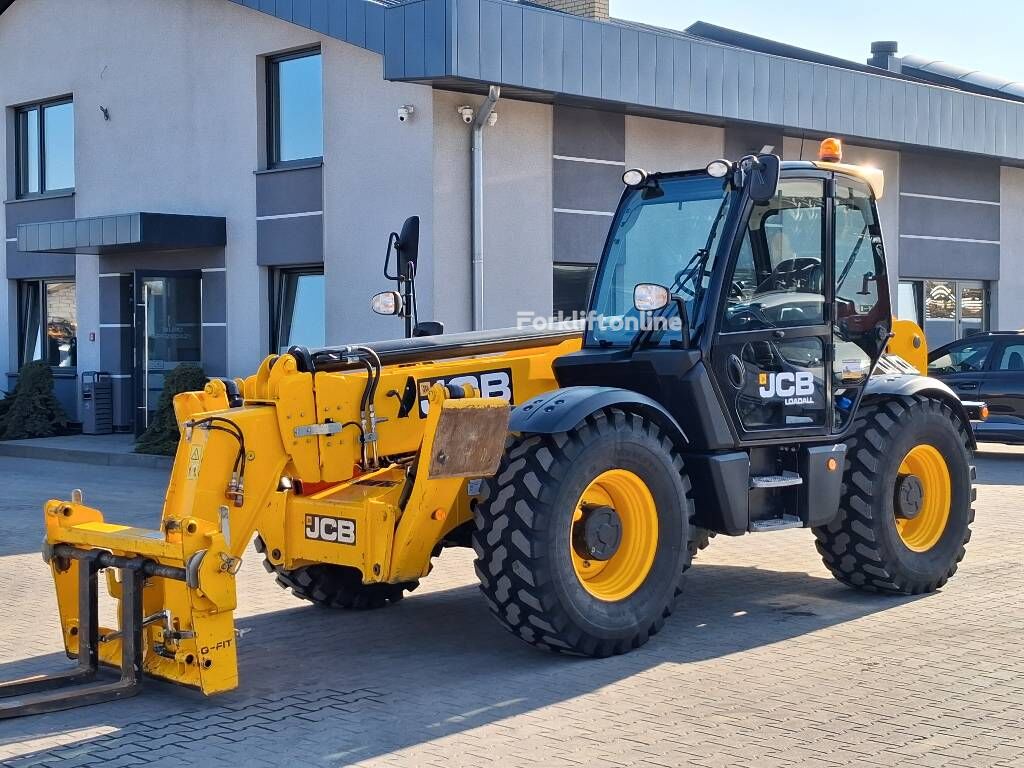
(783, 480)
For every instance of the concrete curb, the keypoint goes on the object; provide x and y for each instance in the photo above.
(102, 458)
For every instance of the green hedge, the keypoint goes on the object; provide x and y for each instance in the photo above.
(32, 410)
(161, 437)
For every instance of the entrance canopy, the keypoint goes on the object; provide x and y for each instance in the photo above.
(123, 233)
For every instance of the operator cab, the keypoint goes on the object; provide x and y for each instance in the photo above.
(755, 290)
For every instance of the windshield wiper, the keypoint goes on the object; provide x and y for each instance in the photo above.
(694, 267)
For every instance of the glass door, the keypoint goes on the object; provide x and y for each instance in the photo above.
(168, 332)
(953, 309)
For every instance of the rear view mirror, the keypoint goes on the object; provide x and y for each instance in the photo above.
(408, 246)
(763, 181)
(650, 297)
(427, 328)
(387, 303)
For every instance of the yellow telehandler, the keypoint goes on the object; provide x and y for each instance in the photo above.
(731, 376)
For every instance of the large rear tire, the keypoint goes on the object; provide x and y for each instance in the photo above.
(334, 586)
(905, 513)
(584, 536)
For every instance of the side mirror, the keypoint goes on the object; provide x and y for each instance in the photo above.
(387, 303)
(650, 297)
(408, 246)
(428, 328)
(763, 181)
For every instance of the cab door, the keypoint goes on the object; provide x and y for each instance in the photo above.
(770, 355)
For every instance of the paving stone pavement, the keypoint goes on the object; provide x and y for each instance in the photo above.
(766, 662)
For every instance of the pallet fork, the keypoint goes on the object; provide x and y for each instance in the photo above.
(79, 686)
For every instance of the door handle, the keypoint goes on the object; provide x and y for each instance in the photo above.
(779, 334)
(967, 385)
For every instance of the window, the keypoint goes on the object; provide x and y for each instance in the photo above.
(48, 322)
(295, 108)
(954, 310)
(45, 148)
(908, 304)
(778, 280)
(1012, 358)
(572, 284)
(298, 309)
(967, 357)
(667, 236)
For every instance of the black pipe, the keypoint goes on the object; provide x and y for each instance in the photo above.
(107, 560)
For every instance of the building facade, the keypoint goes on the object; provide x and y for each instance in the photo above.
(210, 181)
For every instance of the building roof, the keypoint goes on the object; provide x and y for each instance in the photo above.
(703, 74)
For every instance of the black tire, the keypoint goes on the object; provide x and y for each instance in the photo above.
(522, 535)
(334, 586)
(862, 546)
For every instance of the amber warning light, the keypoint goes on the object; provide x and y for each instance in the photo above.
(830, 151)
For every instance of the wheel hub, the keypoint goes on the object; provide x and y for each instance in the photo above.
(909, 497)
(598, 535)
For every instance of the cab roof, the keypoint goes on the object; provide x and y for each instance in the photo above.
(873, 177)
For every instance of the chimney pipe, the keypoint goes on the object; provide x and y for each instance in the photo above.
(883, 55)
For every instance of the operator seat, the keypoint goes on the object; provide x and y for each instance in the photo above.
(1016, 362)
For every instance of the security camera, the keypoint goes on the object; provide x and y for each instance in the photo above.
(405, 112)
(467, 114)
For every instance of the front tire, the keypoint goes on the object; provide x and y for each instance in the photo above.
(893, 534)
(333, 586)
(544, 579)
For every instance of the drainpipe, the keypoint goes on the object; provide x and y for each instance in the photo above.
(482, 118)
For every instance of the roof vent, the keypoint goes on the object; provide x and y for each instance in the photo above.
(883, 55)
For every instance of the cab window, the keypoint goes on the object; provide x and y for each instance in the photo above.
(778, 280)
(966, 357)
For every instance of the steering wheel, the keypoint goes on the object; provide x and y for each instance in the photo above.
(802, 271)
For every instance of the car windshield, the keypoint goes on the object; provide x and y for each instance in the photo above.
(668, 235)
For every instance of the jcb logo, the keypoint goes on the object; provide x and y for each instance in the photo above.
(786, 384)
(339, 530)
(487, 383)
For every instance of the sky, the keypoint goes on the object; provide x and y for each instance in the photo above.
(984, 34)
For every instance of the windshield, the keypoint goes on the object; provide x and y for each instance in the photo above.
(669, 238)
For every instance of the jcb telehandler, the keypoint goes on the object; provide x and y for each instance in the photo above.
(731, 378)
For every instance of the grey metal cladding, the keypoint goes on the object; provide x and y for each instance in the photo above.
(948, 218)
(749, 139)
(214, 309)
(586, 186)
(115, 298)
(38, 209)
(355, 21)
(953, 176)
(299, 240)
(123, 232)
(579, 238)
(292, 190)
(948, 259)
(215, 350)
(677, 76)
(33, 265)
(117, 349)
(594, 134)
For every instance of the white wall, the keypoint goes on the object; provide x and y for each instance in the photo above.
(377, 171)
(517, 213)
(1008, 313)
(664, 145)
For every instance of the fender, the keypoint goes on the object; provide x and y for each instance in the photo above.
(914, 384)
(562, 409)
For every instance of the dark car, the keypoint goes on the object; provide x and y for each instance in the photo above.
(987, 367)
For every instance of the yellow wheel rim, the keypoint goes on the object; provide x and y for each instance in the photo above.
(923, 531)
(624, 572)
